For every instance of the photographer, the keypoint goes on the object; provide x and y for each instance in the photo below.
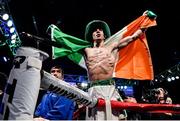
(158, 96)
(162, 97)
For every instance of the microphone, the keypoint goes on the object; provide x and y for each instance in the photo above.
(40, 39)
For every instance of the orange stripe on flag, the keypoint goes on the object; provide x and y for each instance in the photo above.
(135, 59)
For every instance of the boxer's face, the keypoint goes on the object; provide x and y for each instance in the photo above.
(98, 35)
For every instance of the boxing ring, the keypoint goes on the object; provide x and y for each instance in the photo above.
(26, 78)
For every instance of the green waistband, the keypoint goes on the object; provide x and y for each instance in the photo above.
(102, 82)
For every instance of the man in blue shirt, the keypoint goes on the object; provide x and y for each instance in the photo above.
(54, 106)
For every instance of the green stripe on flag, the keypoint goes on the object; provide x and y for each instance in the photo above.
(71, 46)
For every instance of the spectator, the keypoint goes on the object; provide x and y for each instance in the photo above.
(53, 106)
(158, 96)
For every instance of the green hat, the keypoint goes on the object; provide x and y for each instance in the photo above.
(91, 26)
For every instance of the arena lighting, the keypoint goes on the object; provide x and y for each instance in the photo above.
(156, 80)
(177, 77)
(11, 37)
(84, 84)
(169, 79)
(173, 78)
(125, 87)
(171, 74)
(12, 30)
(5, 59)
(9, 23)
(128, 90)
(122, 87)
(5, 16)
(13, 41)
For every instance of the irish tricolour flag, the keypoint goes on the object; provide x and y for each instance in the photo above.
(134, 59)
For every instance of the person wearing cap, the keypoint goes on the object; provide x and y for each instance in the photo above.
(100, 61)
(100, 54)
